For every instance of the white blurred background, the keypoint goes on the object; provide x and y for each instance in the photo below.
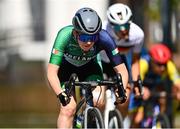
(27, 32)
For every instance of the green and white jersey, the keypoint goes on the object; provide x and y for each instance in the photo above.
(66, 47)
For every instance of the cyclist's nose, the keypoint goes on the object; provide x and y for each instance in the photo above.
(89, 42)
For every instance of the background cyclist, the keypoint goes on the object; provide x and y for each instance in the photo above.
(75, 51)
(158, 73)
(129, 38)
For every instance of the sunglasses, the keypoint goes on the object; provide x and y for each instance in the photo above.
(159, 64)
(88, 38)
(121, 27)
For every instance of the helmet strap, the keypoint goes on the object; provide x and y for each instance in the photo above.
(75, 33)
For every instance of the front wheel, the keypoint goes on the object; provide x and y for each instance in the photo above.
(115, 119)
(93, 118)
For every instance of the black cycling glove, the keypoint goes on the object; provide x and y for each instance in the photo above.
(64, 98)
(139, 85)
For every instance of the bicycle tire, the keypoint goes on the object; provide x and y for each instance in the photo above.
(115, 119)
(93, 118)
(163, 121)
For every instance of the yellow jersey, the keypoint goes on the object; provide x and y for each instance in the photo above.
(171, 71)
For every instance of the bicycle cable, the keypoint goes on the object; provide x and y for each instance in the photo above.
(99, 95)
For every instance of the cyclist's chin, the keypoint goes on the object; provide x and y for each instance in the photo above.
(85, 48)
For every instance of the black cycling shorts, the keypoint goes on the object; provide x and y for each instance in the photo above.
(90, 71)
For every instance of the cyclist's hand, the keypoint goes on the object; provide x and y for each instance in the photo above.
(146, 93)
(64, 98)
(120, 99)
(137, 92)
(138, 88)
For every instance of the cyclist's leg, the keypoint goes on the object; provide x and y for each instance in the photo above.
(66, 113)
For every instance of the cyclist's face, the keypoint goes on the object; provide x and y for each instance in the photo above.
(85, 41)
(123, 34)
(85, 46)
(122, 31)
(158, 68)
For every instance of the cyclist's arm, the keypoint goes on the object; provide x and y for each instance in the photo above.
(108, 44)
(56, 58)
(121, 68)
(135, 66)
(174, 76)
(52, 74)
(138, 44)
(173, 72)
(144, 66)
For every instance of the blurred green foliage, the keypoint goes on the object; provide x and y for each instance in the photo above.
(153, 10)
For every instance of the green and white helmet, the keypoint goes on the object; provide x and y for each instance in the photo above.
(87, 21)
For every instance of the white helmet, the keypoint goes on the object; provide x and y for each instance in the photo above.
(119, 14)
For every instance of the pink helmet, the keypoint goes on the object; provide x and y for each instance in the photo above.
(160, 53)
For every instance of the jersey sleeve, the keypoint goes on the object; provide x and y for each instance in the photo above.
(144, 66)
(137, 48)
(59, 46)
(137, 37)
(109, 46)
(173, 72)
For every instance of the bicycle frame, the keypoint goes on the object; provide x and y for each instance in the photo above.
(88, 94)
(89, 105)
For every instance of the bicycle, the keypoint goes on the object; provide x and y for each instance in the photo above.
(156, 119)
(90, 116)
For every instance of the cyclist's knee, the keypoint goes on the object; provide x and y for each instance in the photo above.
(100, 104)
(67, 111)
(99, 97)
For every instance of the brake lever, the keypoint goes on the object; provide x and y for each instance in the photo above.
(70, 84)
(121, 91)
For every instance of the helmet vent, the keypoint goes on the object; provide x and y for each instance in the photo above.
(120, 16)
(85, 10)
(112, 16)
(91, 28)
(91, 10)
(126, 11)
